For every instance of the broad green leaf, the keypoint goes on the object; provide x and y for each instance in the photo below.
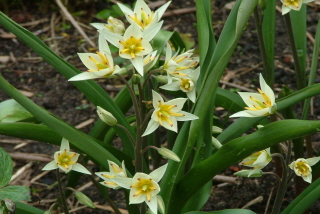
(305, 199)
(11, 111)
(6, 167)
(238, 149)
(89, 88)
(15, 193)
(228, 211)
(22, 208)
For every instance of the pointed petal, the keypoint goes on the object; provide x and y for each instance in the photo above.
(64, 145)
(285, 9)
(313, 161)
(174, 126)
(137, 62)
(123, 182)
(152, 31)
(187, 116)
(152, 126)
(159, 12)
(103, 45)
(136, 199)
(50, 166)
(192, 95)
(244, 113)
(113, 38)
(98, 26)
(125, 10)
(85, 59)
(157, 174)
(245, 96)
(174, 86)
(266, 89)
(179, 102)
(153, 204)
(307, 178)
(79, 168)
(156, 99)
(132, 30)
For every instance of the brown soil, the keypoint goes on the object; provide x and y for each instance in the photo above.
(49, 89)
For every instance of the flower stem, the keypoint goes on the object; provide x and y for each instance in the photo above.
(282, 187)
(62, 196)
(128, 133)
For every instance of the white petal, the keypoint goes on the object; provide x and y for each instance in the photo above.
(174, 86)
(85, 59)
(187, 116)
(156, 99)
(242, 114)
(64, 145)
(152, 126)
(140, 4)
(123, 182)
(100, 175)
(285, 9)
(103, 45)
(153, 204)
(113, 38)
(79, 168)
(307, 178)
(157, 174)
(192, 95)
(137, 62)
(84, 76)
(159, 12)
(179, 102)
(50, 166)
(168, 53)
(313, 161)
(245, 96)
(98, 26)
(125, 10)
(152, 31)
(266, 89)
(132, 30)
(306, 1)
(136, 199)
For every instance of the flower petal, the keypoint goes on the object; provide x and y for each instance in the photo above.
(50, 166)
(152, 126)
(153, 204)
(313, 161)
(187, 116)
(123, 182)
(79, 168)
(157, 174)
(64, 145)
(137, 62)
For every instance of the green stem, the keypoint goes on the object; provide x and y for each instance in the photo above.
(62, 196)
(263, 51)
(299, 75)
(149, 75)
(128, 133)
(282, 186)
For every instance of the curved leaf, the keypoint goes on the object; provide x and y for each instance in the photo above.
(6, 167)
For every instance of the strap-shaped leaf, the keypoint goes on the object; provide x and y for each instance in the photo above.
(6, 167)
(22, 208)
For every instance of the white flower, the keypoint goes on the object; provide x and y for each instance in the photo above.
(302, 167)
(186, 84)
(288, 5)
(115, 172)
(258, 160)
(114, 25)
(149, 61)
(167, 114)
(100, 65)
(133, 45)
(262, 104)
(142, 15)
(66, 160)
(143, 187)
(177, 65)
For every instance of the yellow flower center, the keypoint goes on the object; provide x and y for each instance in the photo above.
(186, 85)
(144, 20)
(103, 64)
(303, 168)
(266, 103)
(132, 46)
(165, 112)
(144, 186)
(292, 3)
(64, 159)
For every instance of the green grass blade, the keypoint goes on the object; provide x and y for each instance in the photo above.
(22, 208)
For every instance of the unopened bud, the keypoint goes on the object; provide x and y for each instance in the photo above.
(136, 79)
(260, 126)
(162, 79)
(216, 143)
(216, 130)
(115, 25)
(168, 154)
(84, 199)
(106, 116)
(161, 206)
(250, 173)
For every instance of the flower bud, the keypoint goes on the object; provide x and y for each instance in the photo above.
(115, 25)
(106, 116)
(161, 206)
(252, 173)
(216, 143)
(168, 154)
(216, 130)
(260, 126)
(84, 199)
(162, 79)
(136, 79)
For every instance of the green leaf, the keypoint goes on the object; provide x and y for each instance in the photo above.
(228, 211)
(22, 208)
(11, 111)
(305, 199)
(6, 167)
(15, 193)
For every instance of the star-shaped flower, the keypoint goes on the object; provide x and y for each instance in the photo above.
(186, 84)
(115, 172)
(257, 160)
(302, 167)
(142, 15)
(167, 114)
(262, 104)
(143, 187)
(114, 25)
(100, 65)
(66, 160)
(288, 5)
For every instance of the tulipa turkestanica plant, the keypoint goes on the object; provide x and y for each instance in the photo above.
(171, 147)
